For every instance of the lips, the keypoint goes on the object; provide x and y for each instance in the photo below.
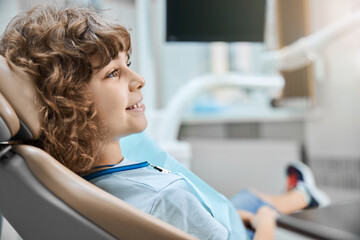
(137, 106)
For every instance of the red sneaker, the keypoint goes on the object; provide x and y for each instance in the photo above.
(300, 176)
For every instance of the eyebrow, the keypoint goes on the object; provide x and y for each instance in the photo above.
(116, 60)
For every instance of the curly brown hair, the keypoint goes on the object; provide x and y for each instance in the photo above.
(59, 48)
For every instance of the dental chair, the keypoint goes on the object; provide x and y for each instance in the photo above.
(40, 197)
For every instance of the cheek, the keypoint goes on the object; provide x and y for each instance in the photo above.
(111, 106)
(114, 108)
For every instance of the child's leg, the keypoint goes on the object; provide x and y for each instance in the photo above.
(301, 191)
(252, 200)
(286, 203)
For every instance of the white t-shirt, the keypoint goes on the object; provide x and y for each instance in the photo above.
(165, 196)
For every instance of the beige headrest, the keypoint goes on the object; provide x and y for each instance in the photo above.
(9, 122)
(19, 91)
(107, 211)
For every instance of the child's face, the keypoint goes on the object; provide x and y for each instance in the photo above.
(117, 97)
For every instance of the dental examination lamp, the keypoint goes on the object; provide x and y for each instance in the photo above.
(306, 50)
(172, 115)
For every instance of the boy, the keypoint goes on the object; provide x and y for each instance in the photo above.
(90, 98)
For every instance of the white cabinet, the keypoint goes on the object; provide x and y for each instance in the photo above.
(230, 165)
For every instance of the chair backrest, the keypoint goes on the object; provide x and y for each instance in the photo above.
(40, 197)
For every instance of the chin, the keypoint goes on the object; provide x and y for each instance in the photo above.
(139, 127)
(136, 128)
(129, 133)
(142, 127)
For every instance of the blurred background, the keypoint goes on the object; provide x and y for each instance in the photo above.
(237, 99)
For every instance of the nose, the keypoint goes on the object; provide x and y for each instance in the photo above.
(137, 81)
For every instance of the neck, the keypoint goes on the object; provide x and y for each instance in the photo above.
(110, 154)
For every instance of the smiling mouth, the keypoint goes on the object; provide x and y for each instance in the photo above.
(136, 107)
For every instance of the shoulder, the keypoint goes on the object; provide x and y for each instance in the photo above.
(137, 187)
(165, 196)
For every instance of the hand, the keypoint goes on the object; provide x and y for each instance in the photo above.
(246, 217)
(264, 216)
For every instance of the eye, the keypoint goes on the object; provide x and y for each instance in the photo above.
(128, 63)
(114, 73)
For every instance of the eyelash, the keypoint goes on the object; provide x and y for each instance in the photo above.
(115, 71)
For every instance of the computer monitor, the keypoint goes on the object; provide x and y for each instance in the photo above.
(215, 20)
